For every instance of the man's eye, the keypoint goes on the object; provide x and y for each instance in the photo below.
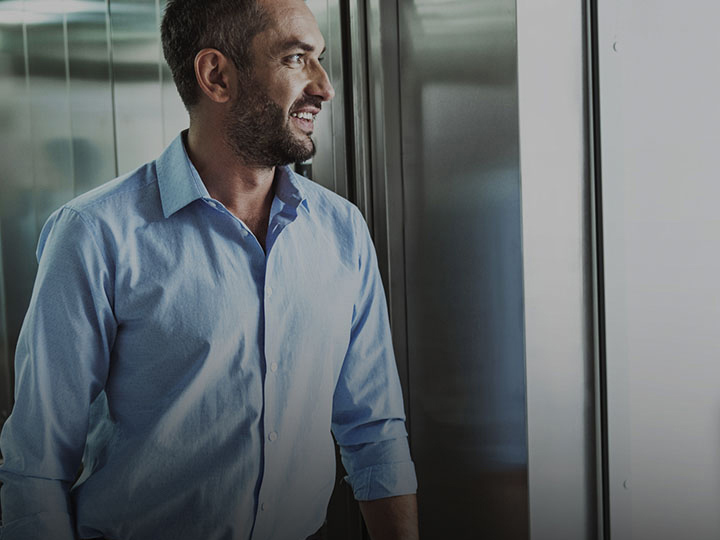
(295, 58)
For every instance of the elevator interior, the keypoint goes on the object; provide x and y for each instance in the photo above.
(557, 359)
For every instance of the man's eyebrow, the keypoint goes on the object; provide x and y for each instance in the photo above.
(298, 44)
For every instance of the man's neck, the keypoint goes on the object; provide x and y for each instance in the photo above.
(245, 191)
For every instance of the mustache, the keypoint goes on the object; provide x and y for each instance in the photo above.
(307, 101)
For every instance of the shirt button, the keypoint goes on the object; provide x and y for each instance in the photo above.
(272, 436)
(269, 291)
(273, 367)
(211, 203)
(263, 507)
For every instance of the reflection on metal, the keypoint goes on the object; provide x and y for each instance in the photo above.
(386, 169)
(17, 208)
(70, 118)
(5, 385)
(358, 105)
(91, 107)
(464, 266)
(136, 74)
(49, 110)
(329, 167)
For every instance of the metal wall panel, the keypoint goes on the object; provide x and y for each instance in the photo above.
(387, 186)
(659, 82)
(137, 82)
(557, 258)
(464, 266)
(17, 208)
(49, 107)
(91, 106)
(329, 166)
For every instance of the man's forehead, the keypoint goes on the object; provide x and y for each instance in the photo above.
(285, 11)
(292, 25)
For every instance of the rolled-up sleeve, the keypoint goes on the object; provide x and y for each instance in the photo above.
(368, 412)
(61, 365)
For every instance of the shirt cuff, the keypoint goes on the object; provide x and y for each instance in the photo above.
(34, 508)
(382, 481)
(42, 526)
(379, 470)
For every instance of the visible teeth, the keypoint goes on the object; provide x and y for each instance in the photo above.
(304, 115)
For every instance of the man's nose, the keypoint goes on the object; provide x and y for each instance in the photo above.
(321, 85)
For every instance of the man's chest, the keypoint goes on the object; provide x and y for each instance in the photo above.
(191, 296)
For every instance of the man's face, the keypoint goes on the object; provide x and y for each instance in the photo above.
(273, 116)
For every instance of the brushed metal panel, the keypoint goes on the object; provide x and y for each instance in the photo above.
(17, 209)
(5, 368)
(329, 166)
(659, 81)
(386, 169)
(135, 42)
(361, 192)
(91, 107)
(464, 267)
(557, 261)
(49, 107)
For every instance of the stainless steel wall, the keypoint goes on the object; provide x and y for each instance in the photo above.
(84, 96)
(463, 266)
(659, 113)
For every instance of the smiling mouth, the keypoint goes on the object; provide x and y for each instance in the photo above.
(304, 115)
(305, 120)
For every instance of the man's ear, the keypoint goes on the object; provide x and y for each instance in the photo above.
(214, 74)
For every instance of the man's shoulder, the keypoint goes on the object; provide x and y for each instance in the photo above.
(338, 222)
(327, 204)
(119, 196)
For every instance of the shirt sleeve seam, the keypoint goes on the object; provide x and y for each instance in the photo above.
(93, 234)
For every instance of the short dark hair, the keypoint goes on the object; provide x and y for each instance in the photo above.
(189, 26)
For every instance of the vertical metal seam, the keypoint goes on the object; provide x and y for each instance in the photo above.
(158, 20)
(66, 48)
(369, 156)
(347, 78)
(600, 364)
(403, 231)
(523, 318)
(28, 104)
(7, 387)
(331, 72)
(111, 72)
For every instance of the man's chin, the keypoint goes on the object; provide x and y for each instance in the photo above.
(309, 148)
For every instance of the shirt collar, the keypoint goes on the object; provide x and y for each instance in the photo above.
(180, 184)
(178, 180)
(288, 188)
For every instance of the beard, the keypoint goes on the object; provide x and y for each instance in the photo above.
(258, 131)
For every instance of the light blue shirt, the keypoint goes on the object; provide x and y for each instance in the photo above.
(196, 376)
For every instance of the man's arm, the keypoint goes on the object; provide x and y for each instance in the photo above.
(391, 518)
(61, 364)
(368, 415)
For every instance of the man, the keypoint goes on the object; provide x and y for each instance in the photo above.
(199, 325)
